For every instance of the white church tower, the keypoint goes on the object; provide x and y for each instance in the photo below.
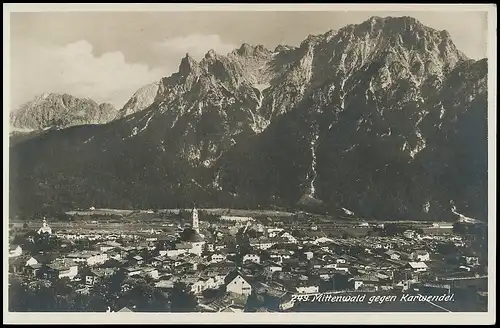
(196, 222)
(45, 227)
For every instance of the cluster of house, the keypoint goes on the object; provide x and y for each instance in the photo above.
(275, 264)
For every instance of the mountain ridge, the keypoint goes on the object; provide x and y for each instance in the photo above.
(54, 110)
(258, 128)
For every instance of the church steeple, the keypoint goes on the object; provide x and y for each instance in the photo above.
(195, 223)
(45, 227)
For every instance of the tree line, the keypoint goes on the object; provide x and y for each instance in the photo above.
(115, 292)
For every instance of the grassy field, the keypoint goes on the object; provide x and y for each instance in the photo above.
(213, 211)
(237, 212)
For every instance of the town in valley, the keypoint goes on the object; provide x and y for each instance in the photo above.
(217, 260)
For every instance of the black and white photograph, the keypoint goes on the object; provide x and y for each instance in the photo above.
(249, 160)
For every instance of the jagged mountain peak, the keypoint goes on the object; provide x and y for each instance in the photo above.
(261, 49)
(398, 19)
(187, 65)
(284, 48)
(51, 96)
(390, 23)
(211, 54)
(407, 32)
(246, 50)
(312, 40)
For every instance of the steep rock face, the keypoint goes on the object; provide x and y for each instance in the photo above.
(356, 135)
(203, 109)
(140, 100)
(359, 159)
(385, 118)
(60, 111)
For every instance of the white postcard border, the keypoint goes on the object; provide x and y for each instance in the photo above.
(272, 318)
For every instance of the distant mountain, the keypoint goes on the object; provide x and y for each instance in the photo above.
(140, 100)
(52, 110)
(385, 119)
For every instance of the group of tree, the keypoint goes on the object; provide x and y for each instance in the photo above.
(115, 292)
(34, 243)
(187, 234)
(42, 296)
(390, 230)
(467, 229)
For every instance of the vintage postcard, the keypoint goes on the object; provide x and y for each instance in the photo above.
(318, 164)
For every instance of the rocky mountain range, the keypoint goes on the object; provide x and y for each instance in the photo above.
(385, 119)
(53, 110)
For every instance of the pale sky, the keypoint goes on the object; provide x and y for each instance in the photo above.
(107, 56)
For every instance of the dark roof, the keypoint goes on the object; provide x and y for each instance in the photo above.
(159, 258)
(252, 265)
(197, 238)
(223, 264)
(44, 258)
(86, 271)
(271, 263)
(233, 274)
(271, 290)
(115, 263)
(220, 303)
(49, 267)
